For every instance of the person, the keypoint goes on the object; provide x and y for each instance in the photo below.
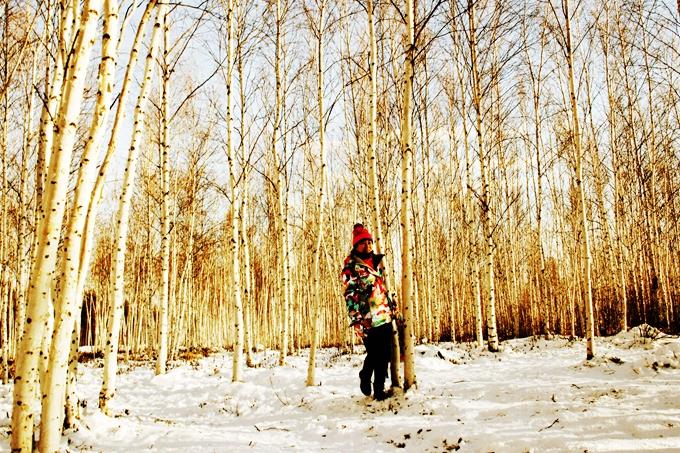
(370, 309)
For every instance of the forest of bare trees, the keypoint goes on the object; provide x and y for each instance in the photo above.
(182, 176)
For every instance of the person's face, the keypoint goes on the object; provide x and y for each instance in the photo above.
(365, 246)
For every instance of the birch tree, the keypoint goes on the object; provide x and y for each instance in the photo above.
(473, 272)
(373, 172)
(318, 30)
(161, 360)
(484, 198)
(123, 215)
(406, 163)
(245, 34)
(536, 77)
(236, 290)
(37, 316)
(23, 233)
(584, 237)
(605, 37)
(278, 182)
(4, 253)
(69, 301)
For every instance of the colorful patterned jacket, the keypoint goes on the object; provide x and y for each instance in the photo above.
(368, 302)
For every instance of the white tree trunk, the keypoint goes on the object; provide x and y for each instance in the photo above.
(66, 30)
(406, 163)
(45, 144)
(4, 320)
(4, 253)
(372, 131)
(111, 349)
(161, 360)
(316, 295)
(122, 220)
(49, 230)
(24, 200)
(247, 281)
(50, 110)
(72, 408)
(66, 305)
(487, 231)
(236, 290)
(279, 184)
(618, 248)
(373, 177)
(576, 135)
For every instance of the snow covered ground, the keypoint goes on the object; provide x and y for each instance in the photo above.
(535, 395)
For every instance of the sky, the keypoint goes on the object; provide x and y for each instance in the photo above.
(535, 395)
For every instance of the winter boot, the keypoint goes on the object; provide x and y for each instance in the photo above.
(379, 393)
(365, 382)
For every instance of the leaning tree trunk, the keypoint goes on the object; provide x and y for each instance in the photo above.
(49, 229)
(111, 349)
(44, 153)
(406, 162)
(66, 38)
(67, 306)
(122, 218)
(42, 275)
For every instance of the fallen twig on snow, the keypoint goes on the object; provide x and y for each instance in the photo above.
(271, 428)
(549, 426)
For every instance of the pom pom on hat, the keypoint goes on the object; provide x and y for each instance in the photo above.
(360, 233)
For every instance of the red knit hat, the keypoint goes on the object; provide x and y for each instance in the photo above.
(359, 233)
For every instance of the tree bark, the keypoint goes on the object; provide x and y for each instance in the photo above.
(24, 204)
(236, 289)
(49, 232)
(161, 360)
(406, 163)
(487, 231)
(67, 302)
(576, 137)
(280, 194)
(611, 117)
(244, 207)
(316, 296)
(4, 246)
(122, 220)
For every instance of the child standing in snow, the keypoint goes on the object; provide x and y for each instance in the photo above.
(370, 309)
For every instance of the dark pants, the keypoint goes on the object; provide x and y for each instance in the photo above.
(378, 344)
